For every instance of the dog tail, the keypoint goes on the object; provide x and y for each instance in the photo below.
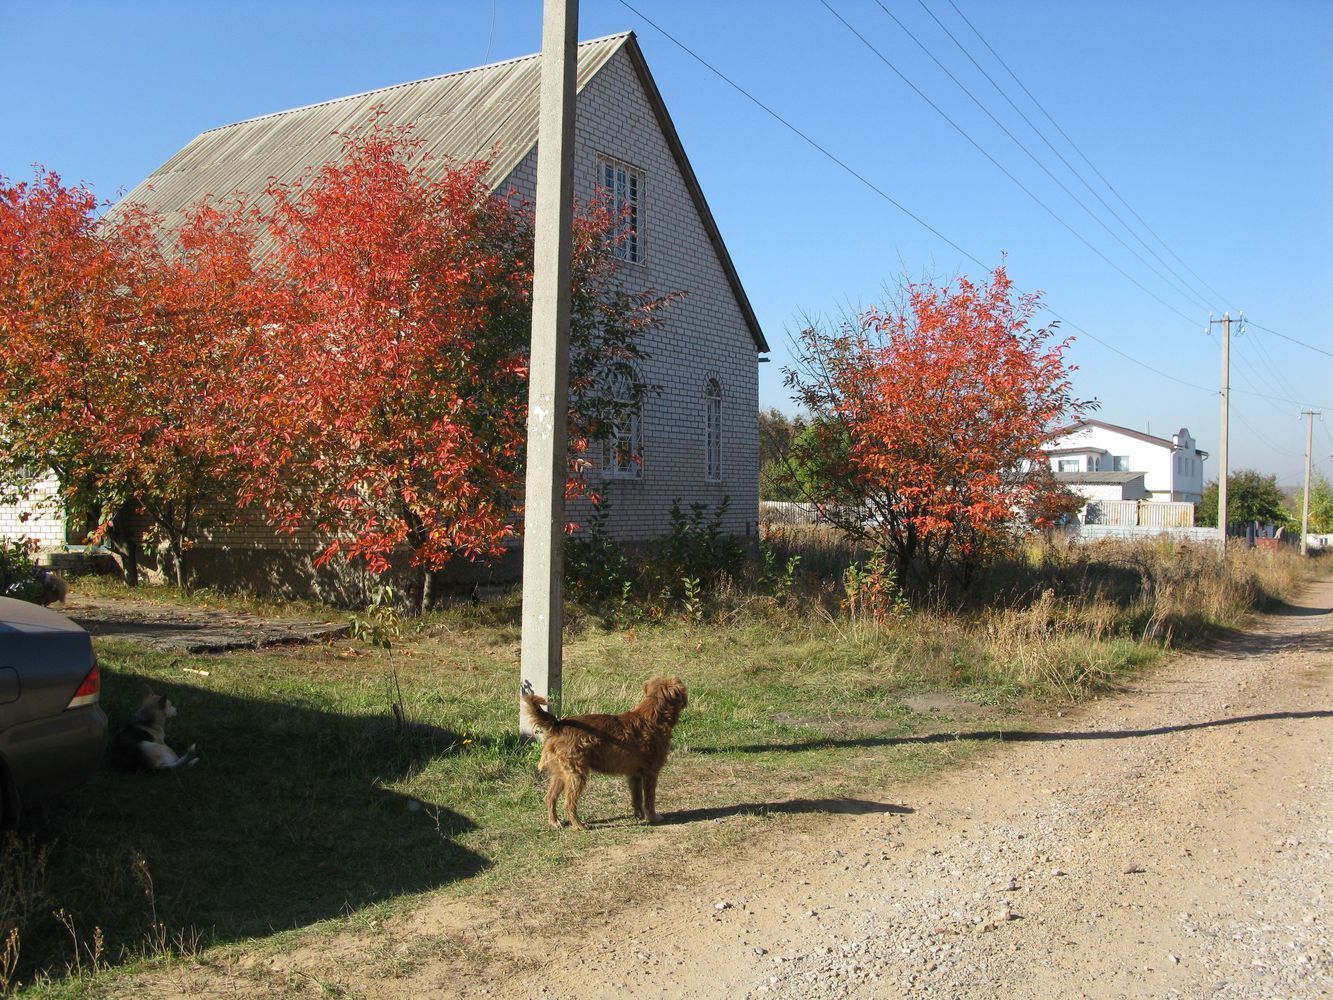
(537, 716)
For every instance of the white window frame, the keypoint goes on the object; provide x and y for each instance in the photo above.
(624, 186)
(713, 430)
(622, 449)
(1061, 464)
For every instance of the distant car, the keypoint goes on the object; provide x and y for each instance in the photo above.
(52, 729)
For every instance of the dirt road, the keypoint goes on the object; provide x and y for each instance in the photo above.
(1174, 841)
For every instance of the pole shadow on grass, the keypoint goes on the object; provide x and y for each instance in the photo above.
(833, 806)
(1004, 735)
(286, 821)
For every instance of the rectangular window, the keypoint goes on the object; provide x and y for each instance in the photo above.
(1120, 463)
(624, 189)
(1068, 465)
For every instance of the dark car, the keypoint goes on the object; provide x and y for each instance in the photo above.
(52, 729)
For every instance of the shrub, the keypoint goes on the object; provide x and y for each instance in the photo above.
(697, 549)
(19, 576)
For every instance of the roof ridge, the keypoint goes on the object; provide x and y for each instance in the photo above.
(620, 35)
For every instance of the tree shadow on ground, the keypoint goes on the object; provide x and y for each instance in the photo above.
(1245, 645)
(1005, 735)
(1297, 611)
(285, 821)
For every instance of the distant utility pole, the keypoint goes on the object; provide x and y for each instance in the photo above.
(1226, 426)
(548, 377)
(1309, 416)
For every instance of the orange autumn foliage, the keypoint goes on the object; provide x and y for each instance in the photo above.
(930, 419)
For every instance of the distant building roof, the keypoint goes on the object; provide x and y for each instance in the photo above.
(1097, 478)
(1077, 450)
(1087, 422)
(1130, 432)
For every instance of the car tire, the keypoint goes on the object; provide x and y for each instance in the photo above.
(9, 800)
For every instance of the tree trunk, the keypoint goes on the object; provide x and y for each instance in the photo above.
(178, 557)
(124, 541)
(427, 590)
(128, 550)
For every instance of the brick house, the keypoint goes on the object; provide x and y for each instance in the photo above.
(699, 438)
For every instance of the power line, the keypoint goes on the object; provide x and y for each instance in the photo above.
(1110, 187)
(1292, 339)
(1187, 293)
(910, 214)
(1262, 438)
(1279, 380)
(777, 117)
(1128, 357)
(1049, 145)
(999, 166)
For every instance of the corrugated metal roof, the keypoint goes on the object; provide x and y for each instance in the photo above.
(462, 116)
(467, 115)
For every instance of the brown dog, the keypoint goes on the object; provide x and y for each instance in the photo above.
(633, 743)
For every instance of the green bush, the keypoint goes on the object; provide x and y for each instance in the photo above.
(697, 549)
(19, 576)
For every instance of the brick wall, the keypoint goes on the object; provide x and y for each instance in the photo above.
(38, 517)
(701, 336)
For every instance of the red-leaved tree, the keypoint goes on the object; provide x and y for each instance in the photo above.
(353, 358)
(390, 411)
(118, 344)
(930, 415)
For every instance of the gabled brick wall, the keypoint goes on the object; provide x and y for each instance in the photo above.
(702, 335)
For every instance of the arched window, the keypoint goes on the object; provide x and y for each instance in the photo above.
(713, 431)
(622, 450)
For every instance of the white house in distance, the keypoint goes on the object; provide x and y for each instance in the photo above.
(1091, 453)
(697, 439)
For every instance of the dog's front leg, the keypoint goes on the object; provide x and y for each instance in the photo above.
(650, 796)
(636, 794)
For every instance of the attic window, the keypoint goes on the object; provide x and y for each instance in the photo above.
(624, 192)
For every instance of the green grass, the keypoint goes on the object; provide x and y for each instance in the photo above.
(312, 807)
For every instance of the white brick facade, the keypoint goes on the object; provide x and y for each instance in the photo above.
(702, 335)
(39, 517)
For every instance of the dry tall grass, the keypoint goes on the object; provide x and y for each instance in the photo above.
(1054, 617)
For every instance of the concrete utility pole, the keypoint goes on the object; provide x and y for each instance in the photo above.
(1309, 416)
(548, 380)
(1226, 426)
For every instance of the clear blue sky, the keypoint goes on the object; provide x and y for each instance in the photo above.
(1213, 120)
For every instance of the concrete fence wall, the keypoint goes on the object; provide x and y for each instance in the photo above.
(1101, 532)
